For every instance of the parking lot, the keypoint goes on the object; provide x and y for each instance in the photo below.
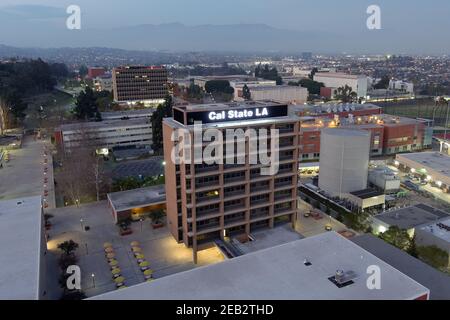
(164, 254)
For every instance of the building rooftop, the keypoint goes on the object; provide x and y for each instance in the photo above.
(436, 281)
(103, 124)
(281, 273)
(20, 245)
(367, 193)
(440, 229)
(411, 217)
(118, 115)
(232, 105)
(338, 75)
(125, 200)
(433, 160)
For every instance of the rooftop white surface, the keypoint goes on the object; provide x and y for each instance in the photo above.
(280, 273)
(20, 242)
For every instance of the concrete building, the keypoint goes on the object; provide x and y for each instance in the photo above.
(333, 110)
(103, 83)
(367, 199)
(136, 203)
(437, 281)
(323, 267)
(202, 80)
(107, 134)
(238, 86)
(389, 134)
(281, 94)
(384, 179)
(407, 218)
(137, 84)
(344, 161)
(398, 85)
(208, 202)
(23, 245)
(335, 80)
(433, 166)
(435, 234)
(128, 114)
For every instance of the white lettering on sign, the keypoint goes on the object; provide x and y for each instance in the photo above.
(238, 114)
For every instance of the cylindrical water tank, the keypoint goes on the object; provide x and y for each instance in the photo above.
(344, 160)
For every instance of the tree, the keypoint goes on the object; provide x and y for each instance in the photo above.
(313, 73)
(83, 71)
(383, 83)
(68, 247)
(268, 73)
(162, 111)
(246, 94)
(86, 106)
(397, 237)
(312, 86)
(157, 216)
(345, 94)
(434, 256)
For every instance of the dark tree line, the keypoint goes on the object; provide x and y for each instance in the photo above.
(21, 79)
(162, 111)
(268, 73)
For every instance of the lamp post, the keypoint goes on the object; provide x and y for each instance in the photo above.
(93, 280)
(81, 223)
(141, 223)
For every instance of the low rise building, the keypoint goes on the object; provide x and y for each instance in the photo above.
(135, 204)
(23, 245)
(103, 83)
(238, 86)
(408, 219)
(105, 135)
(435, 234)
(323, 267)
(358, 83)
(432, 166)
(389, 134)
(281, 94)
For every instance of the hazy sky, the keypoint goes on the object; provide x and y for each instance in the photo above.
(412, 22)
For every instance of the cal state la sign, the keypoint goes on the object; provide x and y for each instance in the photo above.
(239, 114)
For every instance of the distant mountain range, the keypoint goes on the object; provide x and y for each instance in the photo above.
(174, 37)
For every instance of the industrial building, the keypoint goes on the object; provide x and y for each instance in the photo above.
(335, 80)
(23, 245)
(138, 84)
(207, 202)
(344, 161)
(94, 72)
(281, 94)
(323, 267)
(433, 166)
(384, 179)
(106, 135)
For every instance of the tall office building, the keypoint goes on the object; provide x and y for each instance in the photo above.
(134, 84)
(207, 202)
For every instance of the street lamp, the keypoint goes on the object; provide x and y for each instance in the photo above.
(93, 279)
(81, 223)
(141, 223)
